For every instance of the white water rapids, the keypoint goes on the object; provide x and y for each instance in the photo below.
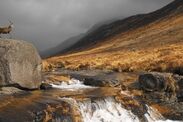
(105, 109)
(72, 85)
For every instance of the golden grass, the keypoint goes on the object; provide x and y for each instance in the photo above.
(155, 47)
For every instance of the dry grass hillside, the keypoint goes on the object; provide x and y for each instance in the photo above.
(156, 46)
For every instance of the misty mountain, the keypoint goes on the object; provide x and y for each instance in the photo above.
(146, 42)
(106, 31)
(62, 47)
(59, 48)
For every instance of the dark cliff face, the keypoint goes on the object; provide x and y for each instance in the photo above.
(109, 30)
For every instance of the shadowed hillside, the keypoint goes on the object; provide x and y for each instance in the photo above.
(120, 26)
(59, 48)
(65, 45)
(148, 42)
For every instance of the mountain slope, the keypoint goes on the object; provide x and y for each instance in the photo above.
(143, 42)
(61, 47)
(133, 22)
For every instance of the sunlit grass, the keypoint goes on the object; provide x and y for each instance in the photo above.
(155, 47)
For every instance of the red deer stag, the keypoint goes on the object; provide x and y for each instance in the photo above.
(6, 30)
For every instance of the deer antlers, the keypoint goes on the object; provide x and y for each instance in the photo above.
(7, 29)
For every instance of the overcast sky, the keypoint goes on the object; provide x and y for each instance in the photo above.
(47, 23)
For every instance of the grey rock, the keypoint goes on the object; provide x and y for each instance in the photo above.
(20, 64)
(9, 91)
(45, 86)
(152, 81)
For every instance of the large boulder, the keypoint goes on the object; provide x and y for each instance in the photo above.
(152, 81)
(158, 82)
(20, 64)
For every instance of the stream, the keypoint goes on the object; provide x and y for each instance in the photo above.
(105, 109)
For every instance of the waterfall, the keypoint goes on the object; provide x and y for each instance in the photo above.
(108, 110)
(105, 109)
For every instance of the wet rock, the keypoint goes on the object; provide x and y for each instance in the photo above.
(9, 91)
(152, 82)
(162, 86)
(158, 82)
(93, 82)
(91, 77)
(20, 64)
(45, 86)
(59, 112)
(101, 82)
(174, 112)
(134, 97)
(133, 104)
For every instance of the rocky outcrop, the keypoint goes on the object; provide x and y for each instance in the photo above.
(162, 86)
(158, 82)
(20, 64)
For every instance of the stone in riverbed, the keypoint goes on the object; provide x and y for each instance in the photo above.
(158, 82)
(20, 64)
(162, 86)
(151, 82)
(101, 82)
(45, 86)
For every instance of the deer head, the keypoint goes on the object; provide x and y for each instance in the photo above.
(7, 29)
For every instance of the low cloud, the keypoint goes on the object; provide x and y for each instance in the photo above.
(47, 23)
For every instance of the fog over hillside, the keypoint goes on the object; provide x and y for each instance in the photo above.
(48, 23)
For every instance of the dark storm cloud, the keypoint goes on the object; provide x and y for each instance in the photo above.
(47, 23)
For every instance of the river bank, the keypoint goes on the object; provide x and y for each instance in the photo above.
(80, 96)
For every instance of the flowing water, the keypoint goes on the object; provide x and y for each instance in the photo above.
(105, 109)
(72, 84)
